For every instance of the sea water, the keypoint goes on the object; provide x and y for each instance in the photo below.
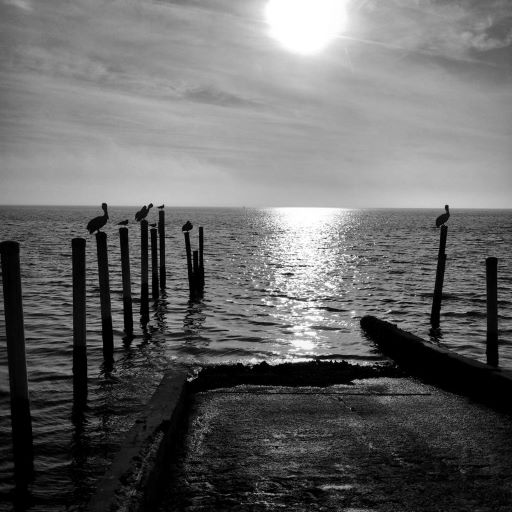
(282, 284)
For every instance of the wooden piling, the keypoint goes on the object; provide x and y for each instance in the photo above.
(161, 234)
(106, 313)
(79, 317)
(201, 258)
(154, 264)
(491, 265)
(438, 288)
(144, 287)
(196, 275)
(127, 285)
(21, 421)
(189, 263)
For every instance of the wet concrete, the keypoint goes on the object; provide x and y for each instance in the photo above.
(383, 444)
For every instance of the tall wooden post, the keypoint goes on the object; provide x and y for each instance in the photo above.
(189, 263)
(21, 421)
(161, 234)
(196, 275)
(106, 313)
(201, 258)
(491, 265)
(144, 287)
(438, 288)
(154, 264)
(79, 318)
(127, 285)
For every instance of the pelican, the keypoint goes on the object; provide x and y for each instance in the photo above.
(123, 223)
(143, 212)
(161, 207)
(444, 217)
(187, 226)
(98, 222)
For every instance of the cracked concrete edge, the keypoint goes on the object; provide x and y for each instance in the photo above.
(440, 365)
(131, 482)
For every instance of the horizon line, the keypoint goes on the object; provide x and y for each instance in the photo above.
(48, 205)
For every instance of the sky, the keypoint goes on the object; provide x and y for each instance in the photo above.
(196, 103)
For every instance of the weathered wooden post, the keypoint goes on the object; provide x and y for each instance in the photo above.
(438, 288)
(491, 265)
(201, 258)
(21, 421)
(189, 263)
(144, 287)
(154, 264)
(161, 233)
(127, 285)
(79, 318)
(196, 275)
(106, 313)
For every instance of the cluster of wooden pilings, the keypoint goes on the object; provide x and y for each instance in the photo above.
(491, 265)
(10, 263)
(195, 266)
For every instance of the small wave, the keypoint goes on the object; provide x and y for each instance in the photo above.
(271, 324)
(332, 309)
(326, 328)
(464, 314)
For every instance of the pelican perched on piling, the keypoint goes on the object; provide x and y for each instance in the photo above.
(143, 212)
(98, 222)
(444, 217)
(123, 223)
(187, 226)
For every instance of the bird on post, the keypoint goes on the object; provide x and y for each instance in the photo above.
(153, 225)
(444, 217)
(161, 207)
(123, 223)
(98, 222)
(187, 226)
(143, 212)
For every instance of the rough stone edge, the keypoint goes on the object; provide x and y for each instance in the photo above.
(440, 365)
(131, 482)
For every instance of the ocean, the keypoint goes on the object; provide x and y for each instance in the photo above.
(282, 284)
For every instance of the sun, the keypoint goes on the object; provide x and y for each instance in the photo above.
(306, 26)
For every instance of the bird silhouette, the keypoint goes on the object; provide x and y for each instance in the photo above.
(187, 226)
(143, 212)
(444, 217)
(153, 225)
(123, 223)
(161, 207)
(98, 222)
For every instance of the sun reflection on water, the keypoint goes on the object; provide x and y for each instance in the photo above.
(307, 256)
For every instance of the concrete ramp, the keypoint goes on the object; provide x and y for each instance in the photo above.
(384, 444)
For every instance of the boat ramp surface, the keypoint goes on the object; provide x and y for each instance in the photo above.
(369, 442)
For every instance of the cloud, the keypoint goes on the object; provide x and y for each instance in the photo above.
(481, 40)
(24, 5)
(455, 29)
(215, 96)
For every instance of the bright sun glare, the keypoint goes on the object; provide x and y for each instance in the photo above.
(306, 26)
